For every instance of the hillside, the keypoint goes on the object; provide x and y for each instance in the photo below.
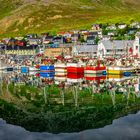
(26, 16)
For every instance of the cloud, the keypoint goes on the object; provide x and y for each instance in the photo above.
(125, 128)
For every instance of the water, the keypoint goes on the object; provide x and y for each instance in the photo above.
(42, 102)
(125, 128)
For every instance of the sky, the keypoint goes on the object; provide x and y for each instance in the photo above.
(125, 128)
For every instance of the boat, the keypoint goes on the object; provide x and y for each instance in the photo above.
(47, 68)
(24, 69)
(32, 68)
(60, 72)
(74, 77)
(9, 69)
(94, 69)
(120, 70)
(2, 68)
(75, 68)
(60, 69)
(121, 67)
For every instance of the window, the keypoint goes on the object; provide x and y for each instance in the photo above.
(109, 51)
(120, 50)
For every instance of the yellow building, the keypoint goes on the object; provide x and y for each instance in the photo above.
(53, 52)
(20, 52)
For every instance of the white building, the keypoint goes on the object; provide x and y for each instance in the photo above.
(85, 50)
(111, 27)
(137, 44)
(135, 25)
(114, 48)
(122, 26)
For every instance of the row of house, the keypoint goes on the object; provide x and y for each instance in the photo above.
(103, 48)
(88, 36)
(110, 48)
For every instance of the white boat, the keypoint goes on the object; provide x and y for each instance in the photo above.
(60, 72)
(60, 68)
(32, 68)
(2, 68)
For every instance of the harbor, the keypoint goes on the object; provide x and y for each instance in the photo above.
(60, 93)
(69, 83)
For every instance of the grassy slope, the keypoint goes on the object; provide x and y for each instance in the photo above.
(57, 15)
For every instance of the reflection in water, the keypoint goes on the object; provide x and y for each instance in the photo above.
(46, 102)
(123, 128)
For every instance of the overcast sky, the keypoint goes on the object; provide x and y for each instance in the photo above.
(124, 128)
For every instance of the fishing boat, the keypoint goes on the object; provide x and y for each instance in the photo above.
(9, 69)
(75, 68)
(120, 70)
(60, 69)
(74, 77)
(60, 72)
(47, 68)
(24, 69)
(2, 68)
(32, 68)
(94, 67)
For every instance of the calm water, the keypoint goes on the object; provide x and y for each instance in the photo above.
(125, 128)
(73, 106)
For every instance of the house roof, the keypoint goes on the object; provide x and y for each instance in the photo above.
(21, 48)
(117, 44)
(75, 35)
(34, 39)
(93, 33)
(86, 48)
(49, 37)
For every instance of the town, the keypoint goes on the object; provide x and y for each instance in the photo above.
(102, 41)
(56, 79)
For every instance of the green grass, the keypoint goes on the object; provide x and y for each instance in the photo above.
(63, 15)
(24, 105)
(65, 120)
